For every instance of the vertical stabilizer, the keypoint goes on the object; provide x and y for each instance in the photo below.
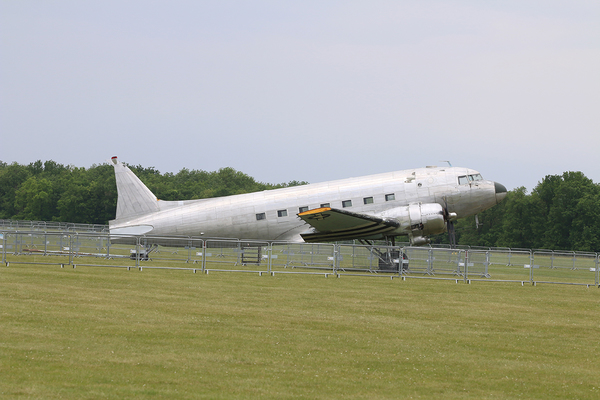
(133, 197)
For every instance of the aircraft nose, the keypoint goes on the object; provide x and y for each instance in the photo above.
(500, 192)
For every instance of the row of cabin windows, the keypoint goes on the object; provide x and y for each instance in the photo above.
(345, 204)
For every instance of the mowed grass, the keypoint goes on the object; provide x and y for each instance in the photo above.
(92, 333)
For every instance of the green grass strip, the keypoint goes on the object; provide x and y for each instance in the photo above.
(91, 333)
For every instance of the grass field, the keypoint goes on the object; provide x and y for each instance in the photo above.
(93, 333)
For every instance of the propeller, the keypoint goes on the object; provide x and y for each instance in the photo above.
(450, 217)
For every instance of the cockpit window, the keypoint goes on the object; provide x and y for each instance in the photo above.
(463, 180)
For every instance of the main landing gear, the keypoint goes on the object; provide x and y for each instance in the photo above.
(389, 260)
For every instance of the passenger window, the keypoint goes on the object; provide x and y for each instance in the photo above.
(261, 216)
(282, 213)
(390, 197)
(325, 205)
(368, 200)
(462, 180)
(347, 203)
(303, 209)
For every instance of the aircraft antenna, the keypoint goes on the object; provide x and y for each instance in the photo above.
(447, 162)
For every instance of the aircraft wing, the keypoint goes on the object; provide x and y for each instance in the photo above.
(331, 224)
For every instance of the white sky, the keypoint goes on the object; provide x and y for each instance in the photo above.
(310, 90)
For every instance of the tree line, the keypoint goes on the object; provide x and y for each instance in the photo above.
(48, 191)
(561, 213)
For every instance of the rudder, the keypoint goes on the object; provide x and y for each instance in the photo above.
(133, 197)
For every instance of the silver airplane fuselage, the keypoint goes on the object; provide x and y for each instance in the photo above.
(392, 197)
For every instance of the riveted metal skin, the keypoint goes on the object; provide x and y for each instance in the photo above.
(409, 202)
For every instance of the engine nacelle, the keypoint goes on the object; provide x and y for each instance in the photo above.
(426, 219)
(419, 241)
(419, 220)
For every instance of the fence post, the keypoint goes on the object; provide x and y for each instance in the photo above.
(3, 237)
(17, 249)
(458, 256)
(288, 255)
(203, 255)
(466, 265)
(336, 252)
(401, 265)
(430, 261)
(531, 264)
(190, 243)
(597, 269)
(76, 244)
(137, 251)
(70, 249)
(270, 255)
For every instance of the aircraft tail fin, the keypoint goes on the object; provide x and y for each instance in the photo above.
(133, 197)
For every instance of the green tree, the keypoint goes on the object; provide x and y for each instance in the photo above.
(89, 196)
(517, 226)
(562, 212)
(585, 230)
(11, 178)
(567, 191)
(74, 204)
(33, 200)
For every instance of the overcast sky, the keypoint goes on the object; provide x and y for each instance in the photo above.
(304, 90)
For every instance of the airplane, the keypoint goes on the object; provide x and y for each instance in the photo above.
(416, 203)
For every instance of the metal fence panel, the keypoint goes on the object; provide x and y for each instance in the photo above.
(419, 261)
(372, 259)
(498, 265)
(237, 255)
(50, 226)
(102, 249)
(303, 257)
(477, 264)
(564, 267)
(447, 262)
(38, 247)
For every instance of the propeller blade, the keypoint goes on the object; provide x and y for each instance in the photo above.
(451, 235)
(450, 225)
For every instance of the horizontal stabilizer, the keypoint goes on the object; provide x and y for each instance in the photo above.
(332, 224)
